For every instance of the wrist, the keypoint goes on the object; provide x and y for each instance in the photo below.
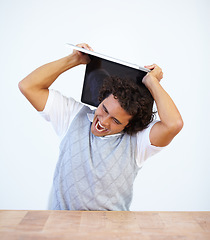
(70, 61)
(150, 81)
(73, 59)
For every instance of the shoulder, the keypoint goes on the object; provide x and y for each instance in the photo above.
(60, 111)
(57, 97)
(59, 102)
(144, 147)
(146, 131)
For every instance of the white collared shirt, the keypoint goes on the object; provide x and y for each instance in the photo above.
(60, 111)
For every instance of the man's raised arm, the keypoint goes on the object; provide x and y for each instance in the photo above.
(171, 121)
(35, 86)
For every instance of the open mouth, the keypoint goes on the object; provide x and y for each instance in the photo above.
(99, 127)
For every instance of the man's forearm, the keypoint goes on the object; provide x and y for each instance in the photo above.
(44, 76)
(35, 86)
(167, 110)
(171, 122)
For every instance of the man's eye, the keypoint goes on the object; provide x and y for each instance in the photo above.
(116, 121)
(105, 110)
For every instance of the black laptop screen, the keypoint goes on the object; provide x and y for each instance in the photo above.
(97, 70)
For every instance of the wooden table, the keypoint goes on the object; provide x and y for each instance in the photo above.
(74, 225)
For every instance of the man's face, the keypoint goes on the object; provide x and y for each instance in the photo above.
(109, 118)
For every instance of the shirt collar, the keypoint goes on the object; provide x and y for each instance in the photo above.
(91, 117)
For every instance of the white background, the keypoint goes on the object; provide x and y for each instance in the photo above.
(173, 34)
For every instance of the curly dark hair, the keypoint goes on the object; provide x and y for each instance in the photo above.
(135, 99)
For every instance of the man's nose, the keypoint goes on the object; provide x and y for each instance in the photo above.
(105, 121)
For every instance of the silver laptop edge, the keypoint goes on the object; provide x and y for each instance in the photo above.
(108, 58)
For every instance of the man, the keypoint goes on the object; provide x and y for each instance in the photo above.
(102, 151)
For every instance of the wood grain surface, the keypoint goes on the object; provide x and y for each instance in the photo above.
(101, 225)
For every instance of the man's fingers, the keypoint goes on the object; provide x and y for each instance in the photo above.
(150, 66)
(85, 45)
(156, 71)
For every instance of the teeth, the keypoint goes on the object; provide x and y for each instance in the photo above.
(99, 124)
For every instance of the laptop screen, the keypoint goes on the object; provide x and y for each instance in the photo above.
(101, 67)
(98, 69)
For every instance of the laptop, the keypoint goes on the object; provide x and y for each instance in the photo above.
(101, 67)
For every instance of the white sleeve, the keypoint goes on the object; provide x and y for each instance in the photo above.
(144, 147)
(60, 111)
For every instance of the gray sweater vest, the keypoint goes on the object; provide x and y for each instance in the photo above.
(94, 173)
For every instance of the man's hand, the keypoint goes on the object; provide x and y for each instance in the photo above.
(82, 58)
(155, 74)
